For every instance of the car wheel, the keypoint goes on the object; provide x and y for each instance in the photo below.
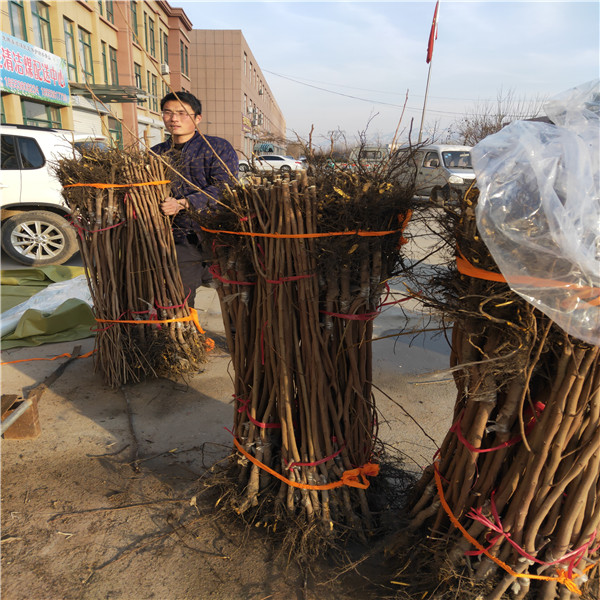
(38, 237)
(285, 168)
(244, 168)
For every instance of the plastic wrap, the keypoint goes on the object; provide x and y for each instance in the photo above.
(539, 208)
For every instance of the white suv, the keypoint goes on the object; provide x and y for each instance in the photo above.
(35, 229)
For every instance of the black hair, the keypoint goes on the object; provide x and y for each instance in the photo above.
(186, 97)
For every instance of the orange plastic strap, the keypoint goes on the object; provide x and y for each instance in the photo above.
(403, 219)
(193, 316)
(563, 576)
(65, 355)
(352, 478)
(466, 268)
(103, 186)
(295, 236)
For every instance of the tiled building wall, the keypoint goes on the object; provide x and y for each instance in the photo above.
(227, 79)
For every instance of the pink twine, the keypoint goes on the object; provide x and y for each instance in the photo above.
(244, 407)
(477, 515)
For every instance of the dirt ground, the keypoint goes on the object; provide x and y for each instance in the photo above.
(109, 502)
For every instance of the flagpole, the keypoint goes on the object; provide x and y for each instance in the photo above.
(432, 38)
(425, 103)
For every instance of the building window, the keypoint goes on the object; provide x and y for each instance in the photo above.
(245, 63)
(85, 55)
(137, 71)
(250, 72)
(146, 30)
(154, 98)
(101, 7)
(134, 19)
(17, 19)
(165, 49)
(116, 132)
(110, 11)
(41, 25)
(105, 62)
(152, 81)
(40, 115)
(114, 69)
(70, 46)
(183, 50)
(152, 47)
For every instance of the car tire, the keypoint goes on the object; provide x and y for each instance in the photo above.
(38, 237)
(244, 168)
(285, 169)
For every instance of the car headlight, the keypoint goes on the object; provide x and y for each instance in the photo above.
(455, 179)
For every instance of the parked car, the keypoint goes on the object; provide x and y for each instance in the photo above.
(433, 167)
(368, 157)
(271, 162)
(35, 229)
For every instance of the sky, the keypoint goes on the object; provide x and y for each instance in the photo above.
(353, 66)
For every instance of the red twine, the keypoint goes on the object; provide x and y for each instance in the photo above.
(539, 408)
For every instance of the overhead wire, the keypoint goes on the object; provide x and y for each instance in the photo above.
(381, 102)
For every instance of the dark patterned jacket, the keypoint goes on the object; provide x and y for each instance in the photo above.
(199, 163)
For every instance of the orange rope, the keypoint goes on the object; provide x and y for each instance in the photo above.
(209, 343)
(290, 236)
(103, 186)
(65, 355)
(352, 478)
(563, 576)
(193, 316)
(466, 268)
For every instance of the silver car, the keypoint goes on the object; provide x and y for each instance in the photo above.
(438, 165)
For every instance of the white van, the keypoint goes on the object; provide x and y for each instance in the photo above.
(35, 229)
(438, 165)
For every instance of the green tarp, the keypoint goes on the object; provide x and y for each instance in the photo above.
(72, 320)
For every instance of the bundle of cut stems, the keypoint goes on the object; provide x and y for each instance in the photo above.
(530, 394)
(298, 313)
(127, 248)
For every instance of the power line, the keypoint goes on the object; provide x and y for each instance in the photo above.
(371, 101)
(442, 112)
(351, 87)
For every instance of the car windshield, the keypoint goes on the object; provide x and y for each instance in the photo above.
(82, 146)
(457, 159)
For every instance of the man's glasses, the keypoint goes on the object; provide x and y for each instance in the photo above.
(169, 114)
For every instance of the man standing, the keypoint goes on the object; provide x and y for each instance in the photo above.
(205, 163)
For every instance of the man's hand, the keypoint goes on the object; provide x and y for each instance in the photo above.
(171, 206)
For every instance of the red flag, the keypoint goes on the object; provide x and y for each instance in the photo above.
(433, 32)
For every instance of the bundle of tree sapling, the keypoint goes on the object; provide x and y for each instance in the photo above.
(145, 327)
(516, 482)
(300, 265)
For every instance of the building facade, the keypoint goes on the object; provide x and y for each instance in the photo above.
(118, 58)
(102, 66)
(237, 103)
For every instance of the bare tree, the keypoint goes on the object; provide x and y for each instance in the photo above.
(486, 118)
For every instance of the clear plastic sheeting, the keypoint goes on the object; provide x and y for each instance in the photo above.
(539, 208)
